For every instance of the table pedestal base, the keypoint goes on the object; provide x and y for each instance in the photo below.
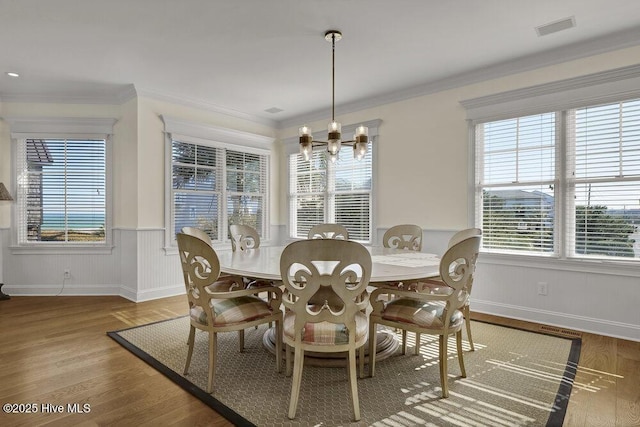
(386, 345)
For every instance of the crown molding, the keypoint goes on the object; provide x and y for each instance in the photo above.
(203, 105)
(115, 97)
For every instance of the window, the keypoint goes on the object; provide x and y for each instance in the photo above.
(561, 183)
(62, 191)
(324, 192)
(213, 187)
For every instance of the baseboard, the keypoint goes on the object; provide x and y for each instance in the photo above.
(151, 294)
(93, 290)
(561, 320)
(66, 290)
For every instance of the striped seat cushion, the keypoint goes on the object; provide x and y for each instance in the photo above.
(326, 333)
(232, 310)
(425, 314)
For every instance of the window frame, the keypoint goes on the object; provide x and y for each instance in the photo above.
(222, 139)
(76, 128)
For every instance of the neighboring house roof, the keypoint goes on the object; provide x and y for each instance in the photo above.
(522, 195)
(38, 152)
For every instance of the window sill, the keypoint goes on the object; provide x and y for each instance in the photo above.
(582, 265)
(61, 250)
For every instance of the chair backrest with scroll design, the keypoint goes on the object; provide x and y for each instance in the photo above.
(328, 231)
(243, 237)
(404, 236)
(464, 234)
(197, 232)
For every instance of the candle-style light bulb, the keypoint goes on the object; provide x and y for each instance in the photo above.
(306, 141)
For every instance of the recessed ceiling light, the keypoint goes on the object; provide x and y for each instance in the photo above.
(12, 74)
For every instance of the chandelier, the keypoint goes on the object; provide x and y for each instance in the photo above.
(334, 136)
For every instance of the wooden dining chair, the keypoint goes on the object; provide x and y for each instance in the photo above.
(420, 311)
(438, 286)
(403, 236)
(243, 237)
(328, 231)
(325, 300)
(197, 232)
(222, 305)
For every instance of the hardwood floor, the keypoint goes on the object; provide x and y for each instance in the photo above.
(54, 350)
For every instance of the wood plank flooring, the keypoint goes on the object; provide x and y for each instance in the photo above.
(55, 350)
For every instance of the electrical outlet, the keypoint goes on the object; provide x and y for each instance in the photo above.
(542, 288)
(67, 274)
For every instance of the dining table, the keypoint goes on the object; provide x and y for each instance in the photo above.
(390, 266)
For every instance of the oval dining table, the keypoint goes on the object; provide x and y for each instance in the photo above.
(389, 265)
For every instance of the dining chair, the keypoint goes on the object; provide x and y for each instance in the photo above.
(197, 232)
(204, 236)
(328, 231)
(325, 300)
(243, 237)
(222, 305)
(420, 311)
(403, 236)
(438, 286)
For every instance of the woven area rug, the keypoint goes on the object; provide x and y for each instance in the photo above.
(513, 378)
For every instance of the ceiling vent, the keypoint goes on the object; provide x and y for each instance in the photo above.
(554, 27)
(273, 110)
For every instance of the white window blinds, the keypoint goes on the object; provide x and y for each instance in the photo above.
(603, 197)
(61, 191)
(213, 187)
(196, 187)
(326, 192)
(516, 179)
(246, 189)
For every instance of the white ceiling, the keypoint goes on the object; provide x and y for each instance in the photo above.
(245, 56)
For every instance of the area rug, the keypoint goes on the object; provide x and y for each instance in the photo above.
(514, 378)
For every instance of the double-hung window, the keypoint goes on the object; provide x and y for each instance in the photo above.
(215, 181)
(563, 183)
(62, 182)
(321, 191)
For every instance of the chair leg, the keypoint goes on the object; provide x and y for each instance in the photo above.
(241, 339)
(361, 361)
(212, 359)
(404, 342)
(460, 358)
(353, 383)
(443, 365)
(190, 343)
(467, 321)
(295, 382)
(288, 356)
(417, 349)
(372, 349)
(279, 345)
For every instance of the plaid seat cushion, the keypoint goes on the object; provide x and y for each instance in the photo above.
(232, 310)
(426, 314)
(326, 333)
